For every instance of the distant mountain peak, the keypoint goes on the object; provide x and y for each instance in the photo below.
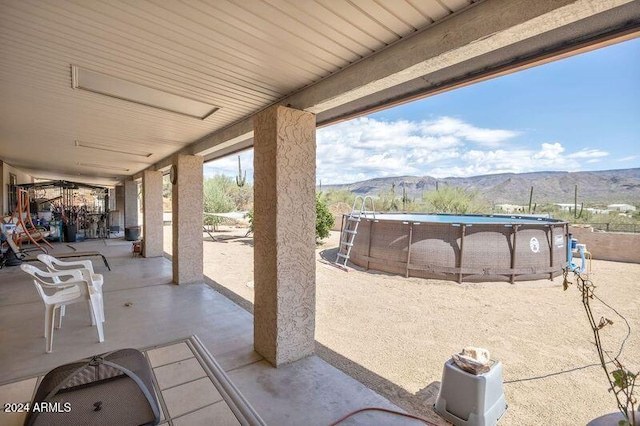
(604, 186)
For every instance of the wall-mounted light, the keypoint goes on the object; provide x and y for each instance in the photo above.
(134, 92)
(104, 166)
(108, 148)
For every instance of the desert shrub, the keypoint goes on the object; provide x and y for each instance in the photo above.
(388, 200)
(334, 196)
(166, 188)
(241, 196)
(216, 198)
(455, 200)
(221, 194)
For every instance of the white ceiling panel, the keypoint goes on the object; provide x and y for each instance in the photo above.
(239, 56)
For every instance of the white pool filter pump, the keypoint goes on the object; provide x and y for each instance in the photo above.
(471, 389)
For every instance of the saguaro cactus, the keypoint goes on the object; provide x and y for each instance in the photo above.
(530, 198)
(405, 199)
(576, 215)
(392, 205)
(241, 179)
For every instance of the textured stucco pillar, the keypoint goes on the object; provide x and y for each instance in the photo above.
(118, 218)
(152, 209)
(187, 220)
(130, 203)
(284, 234)
(3, 191)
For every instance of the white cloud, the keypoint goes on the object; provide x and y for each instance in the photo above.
(366, 148)
(629, 158)
(458, 128)
(588, 153)
(549, 156)
(549, 152)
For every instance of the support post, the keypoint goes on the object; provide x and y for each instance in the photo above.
(118, 215)
(3, 194)
(369, 242)
(513, 254)
(186, 201)
(463, 230)
(152, 213)
(284, 234)
(130, 203)
(551, 250)
(409, 248)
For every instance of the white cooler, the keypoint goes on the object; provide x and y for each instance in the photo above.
(465, 399)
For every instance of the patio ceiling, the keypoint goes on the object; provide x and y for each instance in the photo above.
(334, 58)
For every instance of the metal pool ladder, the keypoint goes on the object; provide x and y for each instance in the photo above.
(350, 229)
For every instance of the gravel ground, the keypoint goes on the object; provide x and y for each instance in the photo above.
(394, 334)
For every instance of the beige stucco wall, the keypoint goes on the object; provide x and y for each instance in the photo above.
(2, 189)
(117, 213)
(616, 246)
(284, 234)
(152, 209)
(186, 201)
(130, 203)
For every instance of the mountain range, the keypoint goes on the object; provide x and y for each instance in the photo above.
(594, 188)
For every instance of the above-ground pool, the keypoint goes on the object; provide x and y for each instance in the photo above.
(460, 247)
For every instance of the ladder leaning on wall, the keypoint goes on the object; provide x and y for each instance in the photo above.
(350, 228)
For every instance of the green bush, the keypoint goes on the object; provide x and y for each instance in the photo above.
(334, 196)
(249, 216)
(324, 218)
(216, 198)
(221, 195)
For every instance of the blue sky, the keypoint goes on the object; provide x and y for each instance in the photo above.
(580, 113)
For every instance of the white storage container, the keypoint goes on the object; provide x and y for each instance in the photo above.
(465, 399)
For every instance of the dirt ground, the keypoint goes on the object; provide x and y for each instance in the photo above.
(394, 334)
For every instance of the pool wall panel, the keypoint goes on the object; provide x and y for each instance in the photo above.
(435, 248)
(462, 252)
(389, 246)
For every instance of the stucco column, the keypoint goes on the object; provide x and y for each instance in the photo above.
(130, 203)
(284, 234)
(3, 191)
(118, 218)
(187, 219)
(152, 210)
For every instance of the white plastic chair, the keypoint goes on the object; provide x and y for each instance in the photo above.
(55, 264)
(73, 290)
(86, 269)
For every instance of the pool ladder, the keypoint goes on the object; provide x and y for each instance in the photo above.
(350, 229)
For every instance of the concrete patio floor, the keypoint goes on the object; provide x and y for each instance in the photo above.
(144, 309)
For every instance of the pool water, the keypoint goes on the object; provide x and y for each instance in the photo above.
(460, 219)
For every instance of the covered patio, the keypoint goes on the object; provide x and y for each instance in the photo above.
(143, 309)
(118, 93)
